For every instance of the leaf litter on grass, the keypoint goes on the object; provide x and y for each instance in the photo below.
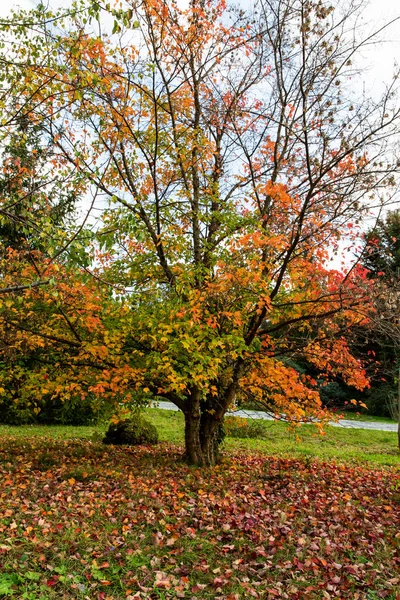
(109, 523)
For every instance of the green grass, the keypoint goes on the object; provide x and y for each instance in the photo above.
(59, 432)
(362, 416)
(376, 447)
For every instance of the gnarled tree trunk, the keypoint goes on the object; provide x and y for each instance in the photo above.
(202, 438)
(202, 431)
(203, 421)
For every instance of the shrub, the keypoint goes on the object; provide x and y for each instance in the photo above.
(53, 411)
(14, 413)
(334, 393)
(131, 432)
(242, 428)
(73, 411)
(378, 399)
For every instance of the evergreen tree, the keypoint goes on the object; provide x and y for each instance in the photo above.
(382, 256)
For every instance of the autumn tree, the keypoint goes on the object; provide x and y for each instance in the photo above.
(36, 208)
(232, 161)
(53, 345)
(43, 245)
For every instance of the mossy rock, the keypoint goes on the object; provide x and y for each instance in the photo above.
(131, 433)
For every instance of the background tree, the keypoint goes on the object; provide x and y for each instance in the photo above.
(384, 321)
(377, 339)
(35, 202)
(41, 246)
(37, 194)
(36, 234)
(382, 253)
(49, 306)
(233, 165)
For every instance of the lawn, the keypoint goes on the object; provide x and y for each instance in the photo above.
(364, 416)
(282, 517)
(376, 447)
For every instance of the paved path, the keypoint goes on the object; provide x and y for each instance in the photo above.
(258, 414)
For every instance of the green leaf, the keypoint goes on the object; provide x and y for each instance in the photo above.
(32, 576)
(116, 27)
(7, 581)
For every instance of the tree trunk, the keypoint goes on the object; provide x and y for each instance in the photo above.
(202, 438)
(398, 410)
(203, 421)
(192, 438)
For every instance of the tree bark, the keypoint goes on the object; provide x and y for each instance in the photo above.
(192, 438)
(210, 438)
(203, 421)
(202, 438)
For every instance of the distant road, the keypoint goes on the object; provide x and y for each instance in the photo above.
(258, 414)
